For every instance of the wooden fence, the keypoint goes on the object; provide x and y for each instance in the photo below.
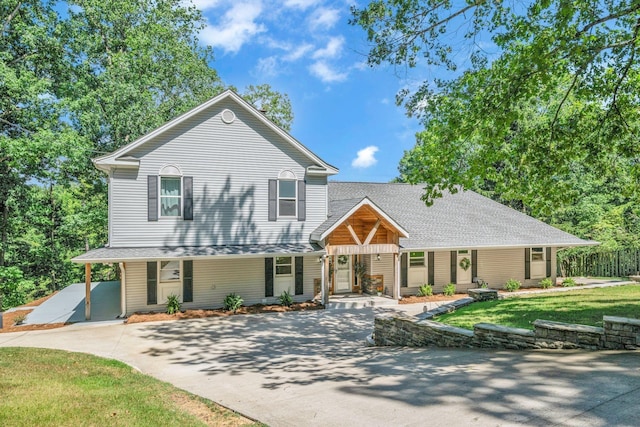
(600, 263)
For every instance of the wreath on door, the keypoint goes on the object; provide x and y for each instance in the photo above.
(343, 259)
(465, 263)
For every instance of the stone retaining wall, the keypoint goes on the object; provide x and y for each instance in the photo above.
(392, 329)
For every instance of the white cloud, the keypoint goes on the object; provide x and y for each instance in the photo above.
(366, 157)
(236, 27)
(298, 52)
(300, 4)
(333, 49)
(324, 18)
(267, 66)
(384, 101)
(326, 73)
(202, 4)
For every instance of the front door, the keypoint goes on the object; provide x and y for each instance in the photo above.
(343, 274)
(464, 267)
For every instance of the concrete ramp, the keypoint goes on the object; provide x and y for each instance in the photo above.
(67, 306)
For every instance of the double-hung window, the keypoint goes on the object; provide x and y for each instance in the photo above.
(170, 196)
(416, 259)
(287, 197)
(283, 266)
(537, 254)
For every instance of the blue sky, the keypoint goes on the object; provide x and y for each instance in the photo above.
(344, 111)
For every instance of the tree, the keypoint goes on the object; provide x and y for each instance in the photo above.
(276, 106)
(561, 91)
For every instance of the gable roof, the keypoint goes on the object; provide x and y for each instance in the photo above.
(341, 210)
(454, 221)
(120, 157)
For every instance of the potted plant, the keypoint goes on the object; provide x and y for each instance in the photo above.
(379, 290)
(360, 269)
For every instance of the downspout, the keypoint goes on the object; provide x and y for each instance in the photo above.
(123, 293)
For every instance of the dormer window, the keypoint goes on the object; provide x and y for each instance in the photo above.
(287, 194)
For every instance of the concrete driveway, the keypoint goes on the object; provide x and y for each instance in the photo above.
(311, 368)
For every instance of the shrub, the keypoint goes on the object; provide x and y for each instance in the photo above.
(449, 289)
(512, 285)
(285, 299)
(568, 282)
(14, 288)
(425, 290)
(19, 319)
(546, 283)
(232, 302)
(173, 304)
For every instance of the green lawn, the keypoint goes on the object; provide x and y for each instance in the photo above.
(586, 306)
(40, 387)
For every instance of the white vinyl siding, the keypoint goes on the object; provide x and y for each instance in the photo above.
(213, 279)
(230, 165)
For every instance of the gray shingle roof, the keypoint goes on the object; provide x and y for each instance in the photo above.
(157, 253)
(462, 220)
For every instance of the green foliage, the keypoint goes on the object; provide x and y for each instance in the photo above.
(232, 302)
(546, 119)
(173, 304)
(425, 290)
(449, 289)
(568, 282)
(277, 106)
(285, 299)
(512, 285)
(15, 290)
(546, 283)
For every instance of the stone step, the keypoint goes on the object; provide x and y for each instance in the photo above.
(360, 302)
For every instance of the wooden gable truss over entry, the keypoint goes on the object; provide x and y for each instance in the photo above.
(365, 229)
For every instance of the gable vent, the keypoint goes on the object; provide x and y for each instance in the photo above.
(228, 116)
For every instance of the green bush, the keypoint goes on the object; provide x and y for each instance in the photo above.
(512, 285)
(14, 288)
(449, 289)
(173, 304)
(425, 290)
(232, 302)
(546, 283)
(568, 282)
(285, 299)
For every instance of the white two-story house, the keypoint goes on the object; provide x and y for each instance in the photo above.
(221, 200)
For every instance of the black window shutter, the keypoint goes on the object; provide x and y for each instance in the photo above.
(187, 182)
(152, 282)
(474, 265)
(299, 276)
(273, 199)
(187, 281)
(302, 200)
(152, 198)
(454, 267)
(549, 262)
(268, 277)
(404, 280)
(527, 263)
(431, 268)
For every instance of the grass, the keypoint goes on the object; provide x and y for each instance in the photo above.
(586, 306)
(53, 388)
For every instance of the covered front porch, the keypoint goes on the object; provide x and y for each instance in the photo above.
(362, 251)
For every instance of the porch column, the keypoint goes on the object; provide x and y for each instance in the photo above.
(396, 276)
(87, 290)
(323, 280)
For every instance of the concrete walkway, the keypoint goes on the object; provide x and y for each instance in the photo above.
(67, 306)
(312, 369)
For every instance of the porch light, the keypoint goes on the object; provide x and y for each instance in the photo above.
(378, 257)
